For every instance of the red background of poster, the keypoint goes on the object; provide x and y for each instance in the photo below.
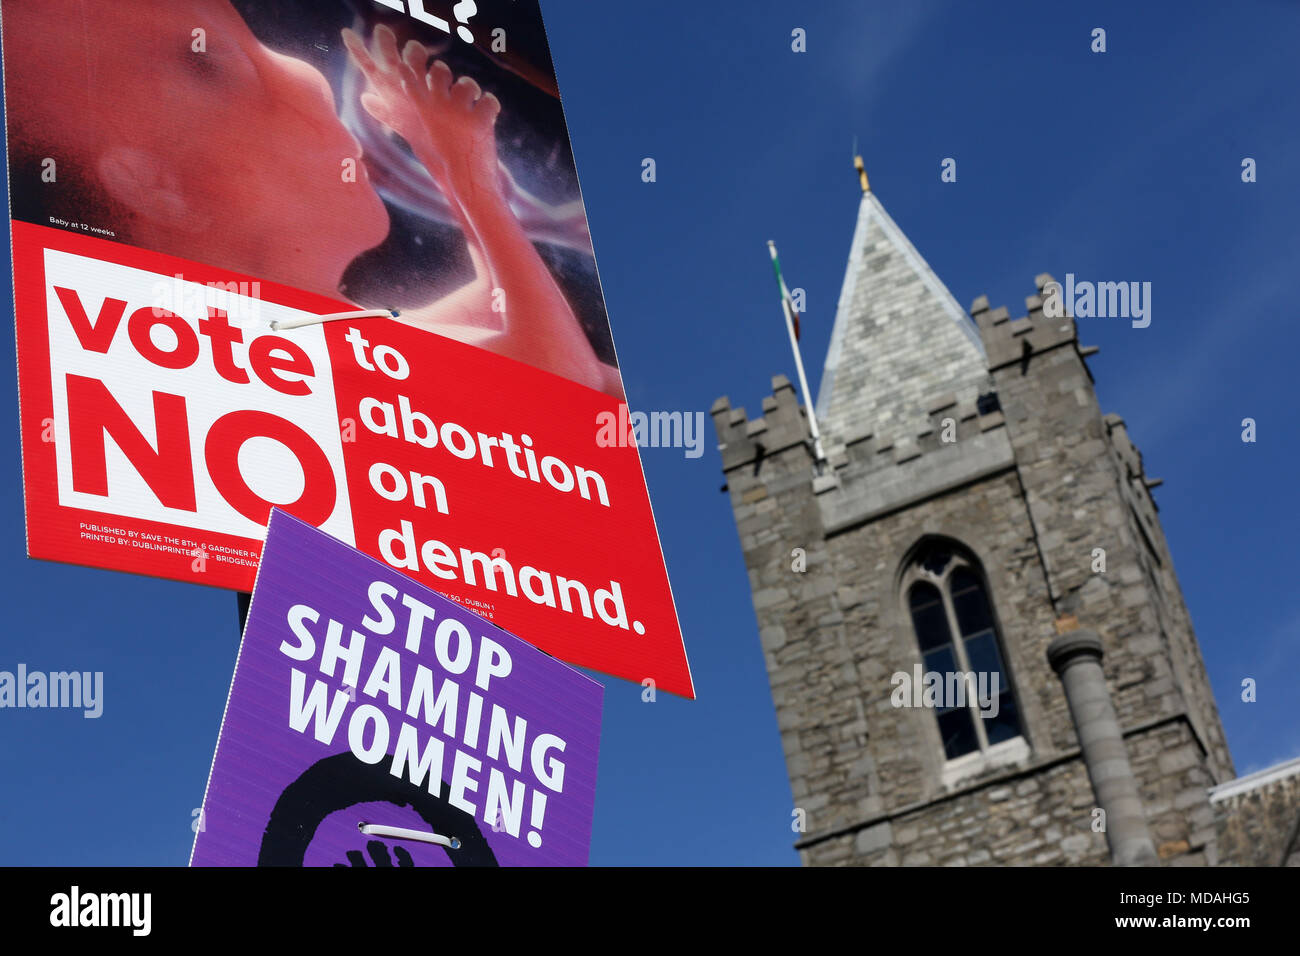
(490, 508)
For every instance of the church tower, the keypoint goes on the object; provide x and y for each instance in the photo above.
(975, 638)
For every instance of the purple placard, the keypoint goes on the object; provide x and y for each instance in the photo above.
(352, 682)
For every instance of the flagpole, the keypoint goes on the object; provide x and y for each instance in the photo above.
(798, 359)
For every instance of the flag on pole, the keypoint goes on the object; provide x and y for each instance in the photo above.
(786, 299)
(792, 330)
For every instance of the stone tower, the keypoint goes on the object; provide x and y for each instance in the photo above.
(976, 514)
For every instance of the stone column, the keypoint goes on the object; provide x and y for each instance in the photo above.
(1076, 658)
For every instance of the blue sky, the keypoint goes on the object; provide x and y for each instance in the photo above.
(1123, 166)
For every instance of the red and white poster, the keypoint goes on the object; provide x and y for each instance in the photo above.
(196, 248)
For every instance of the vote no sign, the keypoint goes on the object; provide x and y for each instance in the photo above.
(167, 406)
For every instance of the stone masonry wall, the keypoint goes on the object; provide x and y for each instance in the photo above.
(1156, 562)
(1042, 818)
(1030, 490)
(1257, 827)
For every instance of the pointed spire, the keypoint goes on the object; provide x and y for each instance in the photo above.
(900, 339)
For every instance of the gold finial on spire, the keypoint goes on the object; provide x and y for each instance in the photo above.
(862, 173)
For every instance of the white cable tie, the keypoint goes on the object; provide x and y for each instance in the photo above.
(277, 326)
(401, 833)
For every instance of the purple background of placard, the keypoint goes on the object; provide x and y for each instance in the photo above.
(258, 754)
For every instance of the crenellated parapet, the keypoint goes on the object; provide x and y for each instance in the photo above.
(1010, 340)
(783, 424)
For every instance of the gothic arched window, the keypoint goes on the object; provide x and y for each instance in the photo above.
(948, 604)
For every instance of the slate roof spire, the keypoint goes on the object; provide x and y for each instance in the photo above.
(899, 340)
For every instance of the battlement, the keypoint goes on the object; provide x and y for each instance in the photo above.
(950, 421)
(742, 440)
(1008, 340)
(784, 424)
(954, 441)
(1257, 817)
(1138, 486)
(1127, 452)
